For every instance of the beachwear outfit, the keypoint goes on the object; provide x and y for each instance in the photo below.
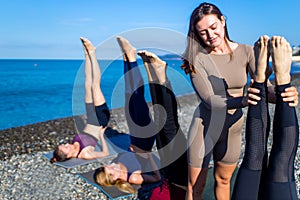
(218, 120)
(258, 176)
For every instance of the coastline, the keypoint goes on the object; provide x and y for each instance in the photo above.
(296, 58)
(25, 174)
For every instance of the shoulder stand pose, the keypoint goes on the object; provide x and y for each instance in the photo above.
(258, 176)
(83, 144)
(218, 68)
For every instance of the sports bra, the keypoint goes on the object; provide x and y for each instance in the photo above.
(84, 140)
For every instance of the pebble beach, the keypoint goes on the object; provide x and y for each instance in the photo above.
(26, 174)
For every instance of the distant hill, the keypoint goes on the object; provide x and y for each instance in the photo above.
(296, 51)
(170, 57)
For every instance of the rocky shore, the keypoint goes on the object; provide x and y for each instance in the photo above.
(26, 174)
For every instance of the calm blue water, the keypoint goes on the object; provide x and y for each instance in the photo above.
(40, 90)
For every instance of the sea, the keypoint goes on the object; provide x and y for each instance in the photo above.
(37, 90)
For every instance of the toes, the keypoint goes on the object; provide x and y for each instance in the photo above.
(265, 40)
(279, 41)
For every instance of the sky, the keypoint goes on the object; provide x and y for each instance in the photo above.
(44, 29)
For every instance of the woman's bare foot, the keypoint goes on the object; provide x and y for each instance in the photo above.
(155, 67)
(282, 60)
(87, 46)
(127, 49)
(263, 69)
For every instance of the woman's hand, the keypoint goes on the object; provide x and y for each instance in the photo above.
(136, 149)
(290, 95)
(253, 98)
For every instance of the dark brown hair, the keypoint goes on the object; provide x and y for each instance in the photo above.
(58, 156)
(194, 41)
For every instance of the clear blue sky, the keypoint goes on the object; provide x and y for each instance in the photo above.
(51, 29)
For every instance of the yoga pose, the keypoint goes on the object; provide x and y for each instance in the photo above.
(170, 140)
(126, 170)
(218, 68)
(83, 144)
(258, 176)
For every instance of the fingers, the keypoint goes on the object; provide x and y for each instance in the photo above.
(294, 104)
(252, 102)
(290, 95)
(252, 97)
(136, 149)
(252, 93)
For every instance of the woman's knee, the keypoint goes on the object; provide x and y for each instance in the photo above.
(223, 179)
(223, 173)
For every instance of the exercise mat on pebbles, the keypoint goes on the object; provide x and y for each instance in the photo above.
(116, 144)
(111, 192)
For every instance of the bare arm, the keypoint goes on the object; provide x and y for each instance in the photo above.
(155, 177)
(139, 178)
(90, 153)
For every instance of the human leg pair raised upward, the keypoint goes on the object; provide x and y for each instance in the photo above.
(165, 129)
(258, 176)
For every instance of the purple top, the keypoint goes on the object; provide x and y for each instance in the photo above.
(84, 140)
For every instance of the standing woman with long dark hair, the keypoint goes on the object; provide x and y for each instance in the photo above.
(218, 68)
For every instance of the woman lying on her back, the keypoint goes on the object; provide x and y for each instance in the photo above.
(83, 144)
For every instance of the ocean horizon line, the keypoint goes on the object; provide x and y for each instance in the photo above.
(44, 89)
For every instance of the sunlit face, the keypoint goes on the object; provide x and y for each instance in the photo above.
(113, 170)
(211, 30)
(66, 149)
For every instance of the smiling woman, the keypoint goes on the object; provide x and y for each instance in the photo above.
(218, 68)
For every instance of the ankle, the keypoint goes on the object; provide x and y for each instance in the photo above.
(282, 79)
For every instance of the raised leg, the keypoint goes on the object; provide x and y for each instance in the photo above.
(171, 142)
(249, 178)
(93, 77)
(94, 98)
(137, 112)
(281, 180)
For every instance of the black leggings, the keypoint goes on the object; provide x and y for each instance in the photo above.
(256, 179)
(170, 140)
(140, 124)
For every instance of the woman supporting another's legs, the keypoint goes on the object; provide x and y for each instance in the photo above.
(170, 140)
